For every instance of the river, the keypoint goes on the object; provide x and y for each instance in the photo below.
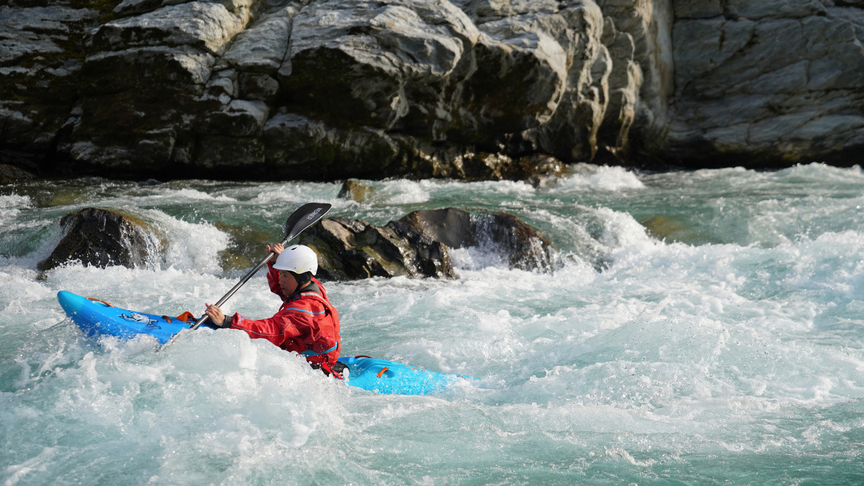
(701, 327)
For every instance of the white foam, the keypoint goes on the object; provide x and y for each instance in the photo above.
(292, 194)
(190, 245)
(403, 192)
(10, 208)
(14, 201)
(188, 194)
(583, 176)
(634, 356)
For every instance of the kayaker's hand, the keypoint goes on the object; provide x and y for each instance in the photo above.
(217, 318)
(276, 249)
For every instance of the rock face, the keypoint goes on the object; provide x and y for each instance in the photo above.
(417, 245)
(773, 82)
(332, 89)
(350, 249)
(98, 237)
(40, 61)
(519, 244)
(11, 173)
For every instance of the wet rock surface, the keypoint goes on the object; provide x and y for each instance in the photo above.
(355, 190)
(101, 238)
(418, 245)
(673, 229)
(516, 242)
(351, 249)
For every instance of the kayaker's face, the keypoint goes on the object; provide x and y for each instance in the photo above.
(287, 282)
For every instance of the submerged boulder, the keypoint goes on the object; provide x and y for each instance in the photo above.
(673, 229)
(515, 241)
(101, 238)
(418, 244)
(355, 190)
(351, 249)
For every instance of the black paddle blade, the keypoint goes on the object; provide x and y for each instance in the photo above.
(304, 217)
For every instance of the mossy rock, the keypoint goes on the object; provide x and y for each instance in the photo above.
(672, 229)
(355, 190)
(247, 246)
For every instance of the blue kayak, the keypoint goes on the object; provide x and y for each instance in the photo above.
(96, 317)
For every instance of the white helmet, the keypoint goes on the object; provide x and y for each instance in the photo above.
(297, 259)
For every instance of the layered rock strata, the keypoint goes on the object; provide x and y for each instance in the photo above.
(772, 83)
(331, 89)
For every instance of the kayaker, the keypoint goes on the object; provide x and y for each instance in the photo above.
(306, 322)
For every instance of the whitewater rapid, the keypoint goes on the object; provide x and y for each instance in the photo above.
(698, 327)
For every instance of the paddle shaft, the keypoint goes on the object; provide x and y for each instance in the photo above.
(239, 284)
(304, 217)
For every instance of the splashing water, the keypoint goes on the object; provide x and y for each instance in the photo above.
(701, 327)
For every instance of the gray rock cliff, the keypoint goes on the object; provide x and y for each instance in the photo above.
(331, 89)
(771, 82)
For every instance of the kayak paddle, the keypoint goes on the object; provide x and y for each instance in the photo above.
(304, 217)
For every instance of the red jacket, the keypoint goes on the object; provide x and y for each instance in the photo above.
(307, 324)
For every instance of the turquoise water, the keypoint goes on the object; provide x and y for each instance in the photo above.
(699, 328)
